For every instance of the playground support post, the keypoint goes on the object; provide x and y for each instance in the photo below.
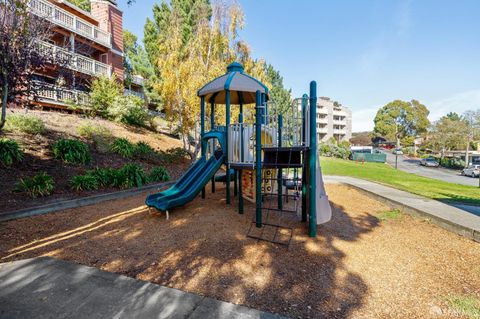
(212, 126)
(305, 160)
(280, 172)
(258, 159)
(240, 190)
(312, 223)
(227, 128)
(202, 131)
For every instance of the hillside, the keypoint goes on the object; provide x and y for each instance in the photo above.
(38, 156)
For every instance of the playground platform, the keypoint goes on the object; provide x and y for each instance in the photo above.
(446, 216)
(44, 287)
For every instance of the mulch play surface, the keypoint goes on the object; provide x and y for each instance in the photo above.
(363, 264)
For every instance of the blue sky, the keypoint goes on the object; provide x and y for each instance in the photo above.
(367, 53)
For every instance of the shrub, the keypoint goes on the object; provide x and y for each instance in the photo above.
(104, 91)
(9, 152)
(25, 124)
(132, 175)
(71, 151)
(41, 184)
(333, 150)
(84, 182)
(89, 131)
(129, 110)
(158, 174)
(453, 162)
(142, 149)
(173, 154)
(123, 147)
(105, 176)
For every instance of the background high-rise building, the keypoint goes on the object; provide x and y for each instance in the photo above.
(333, 120)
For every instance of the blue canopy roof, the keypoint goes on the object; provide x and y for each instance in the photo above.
(242, 87)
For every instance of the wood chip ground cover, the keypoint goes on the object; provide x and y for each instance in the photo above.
(358, 267)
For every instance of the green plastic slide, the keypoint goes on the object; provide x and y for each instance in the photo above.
(188, 186)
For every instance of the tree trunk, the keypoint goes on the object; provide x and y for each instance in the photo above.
(4, 104)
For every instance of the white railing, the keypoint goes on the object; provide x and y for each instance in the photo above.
(67, 20)
(61, 95)
(74, 61)
(127, 92)
(339, 131)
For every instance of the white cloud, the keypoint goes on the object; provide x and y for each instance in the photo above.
(362, 120)
(460, 102)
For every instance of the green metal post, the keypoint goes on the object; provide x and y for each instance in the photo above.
(202, 132)
(212, 126)
(312, 224)
(305, 158)
(258, 159)
(280, 172)
(227, 128)
(235, 181)
(240, 190)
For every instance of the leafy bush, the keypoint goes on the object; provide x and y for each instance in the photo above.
(132, 175)
(105, 176)
(158, 174)
(172, 155)
(104, 91)
(71, 151)
(84, 182)
(452, 162)
(334, 150)
(25, 124)
(142, 149)
(41, 184)
(89, 131)
(129, 110)
(10, 152)
(123, 147)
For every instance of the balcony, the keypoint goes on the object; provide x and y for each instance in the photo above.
(130, 92)
(339, 131)
(136, 79)
(74, 61)
(59, 95)
(69, 21)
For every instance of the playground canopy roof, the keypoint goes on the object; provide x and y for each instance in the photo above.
(242, 87)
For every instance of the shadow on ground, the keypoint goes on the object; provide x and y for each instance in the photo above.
(203, 249)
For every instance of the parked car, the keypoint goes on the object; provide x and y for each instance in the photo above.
(397, 151)
(429, 162)
(472, 171)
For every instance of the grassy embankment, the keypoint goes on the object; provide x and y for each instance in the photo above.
(385, 174)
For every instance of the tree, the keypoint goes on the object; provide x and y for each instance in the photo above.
(447, 134)
(399, 119)
(215, 44)
(82, 4)
(20, 54)
(278, 93)
(472, 123)
(452, 116)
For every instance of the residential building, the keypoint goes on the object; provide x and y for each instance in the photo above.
(333, 120)
(88, 44)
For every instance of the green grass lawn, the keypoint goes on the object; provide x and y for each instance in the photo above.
(385, 174)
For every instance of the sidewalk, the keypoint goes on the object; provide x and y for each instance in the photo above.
(48, 288)
(446, 216)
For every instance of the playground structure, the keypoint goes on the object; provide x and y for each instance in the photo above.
(270, 157)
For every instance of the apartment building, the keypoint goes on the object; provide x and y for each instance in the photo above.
(88, 44)
(333, 120)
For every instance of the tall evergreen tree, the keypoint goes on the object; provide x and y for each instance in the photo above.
(278, 93)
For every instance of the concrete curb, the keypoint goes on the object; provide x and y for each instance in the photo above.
(78, 202)
(441, 222)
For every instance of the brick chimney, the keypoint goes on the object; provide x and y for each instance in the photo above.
(110, 19)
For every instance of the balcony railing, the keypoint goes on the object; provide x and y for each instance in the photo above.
(67, 20)
(75, 61)
(131, 92)
(59, 95)
(339, 131)
(136, 79)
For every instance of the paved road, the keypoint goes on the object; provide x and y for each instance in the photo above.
(447, 175)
